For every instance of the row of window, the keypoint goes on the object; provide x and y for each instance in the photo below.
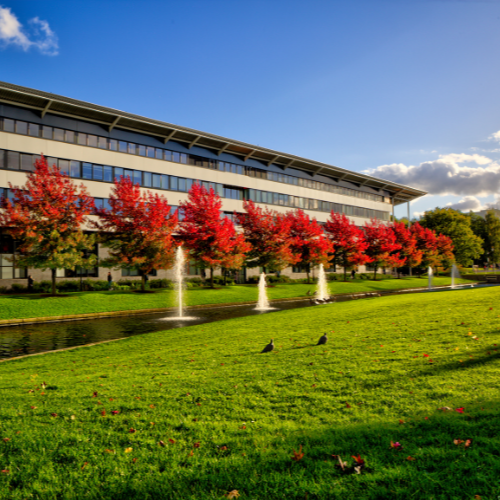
(83, 139)
(13, 160)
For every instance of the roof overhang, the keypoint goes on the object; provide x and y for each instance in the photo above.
(110, 118)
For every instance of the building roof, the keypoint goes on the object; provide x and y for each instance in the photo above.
(45, 102)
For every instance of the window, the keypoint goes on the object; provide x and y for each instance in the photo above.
(12, 160)
(141, 150)
(74, 169)
(21, 127)
(159, 154)
(69, 136)
(92, 141)
(157, 181)
(164, 181)
(51, 161)
(173, 183)
(87, 171)
(102, 142)
(118, 173)
(98, 173)
(123, 146)
(9, 125)
(131, 148)
(108, 174)
(150, 152)
(34, 130)
(128, 173)
(176, 157)
(99, 203)
(27, 162)
(113, 145)
(182, 184)
(82, 139)
(148, 179)
(138, 177)
(58, 134)
(64, 166)
(47, 132)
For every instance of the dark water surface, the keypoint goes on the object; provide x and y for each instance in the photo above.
(29, 339)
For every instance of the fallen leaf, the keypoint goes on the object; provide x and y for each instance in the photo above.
(109, 451)
(53, 415)
(232, 494)
(132, 431)
(128, 450)
(396, 445)
(197, 444)
(115, 412)
(460, 410)
(161, 443)
(5, 471)
(84, 465)
(410, 458)
(171, 441)
(6, 440)
(298, 455)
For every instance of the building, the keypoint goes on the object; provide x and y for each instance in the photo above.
(95, 144)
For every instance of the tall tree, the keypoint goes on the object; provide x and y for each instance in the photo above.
(457, 226)
(268, 233)
(408, 242)
(488, 229)
(427, 244)
(445, 251)
(208, 236)
(46, 218)
(235, 258)
(308, 242)
(348, 242)
(137, 229)
(382, 246)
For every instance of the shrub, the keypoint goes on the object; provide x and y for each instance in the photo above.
(253, 279)
(121, 287)
(161, 283)
(219, 280)
(18, 288)
(195, 281)
(44, 286)
(272, 278)
(68, 286)
(331, 277)
(3, 289)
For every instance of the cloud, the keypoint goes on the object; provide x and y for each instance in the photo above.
(446, 176)
(495, 136)
(39, 36)
(466, 204)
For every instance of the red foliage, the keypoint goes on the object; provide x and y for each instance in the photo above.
(209, 237)
(404, 237)
(46, 217)
(426, 243)
(268, 233)
(137, 229)
(308, 242)
(445, 250)
(382, 246)
(348, 242)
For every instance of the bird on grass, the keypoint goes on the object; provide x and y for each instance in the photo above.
(269, 347)
(322, 340)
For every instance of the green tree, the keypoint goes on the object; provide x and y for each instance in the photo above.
(457, 226)
(488, 228)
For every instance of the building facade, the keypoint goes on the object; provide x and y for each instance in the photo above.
(94, 145)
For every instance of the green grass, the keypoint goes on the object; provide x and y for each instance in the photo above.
(32, 306)
(208, 385)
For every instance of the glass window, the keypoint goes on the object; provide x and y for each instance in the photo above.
(92, 140)
(148, 178)
(98, 172)
(9, 125)
(164, 181)
(184, 158)
(2, 160)
(138, 177)
(87, 170)
(118, 173)
(173, 183)
(106, 204)
(34, 130)
(234, 168)
(64, 166)
(108, 174)
(58, 134)
(141, 150)
(167, 155)
(102, 142)
(51, 161)
(74, 169)
(176, 157)
(69, 136)
(12, 160)
(157, 181)
(128, 173)
(241, 170)
(21, 127)
(113, 145)
(27, 162)
(47, 132)
(150, 152)
(99, 203)
(131, 148)
(82, 139)
(220, 166)
(159, 154)
(181, 184)
(123, 147)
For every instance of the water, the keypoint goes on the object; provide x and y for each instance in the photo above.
(263, 302)
(179, 266)
(322, 289)
(30, 339)
(455, 275)
(431, 274)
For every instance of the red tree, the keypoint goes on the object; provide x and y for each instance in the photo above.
(445, 251)
(268, 233)
(408, 242)
(235, 258)
(348, 242)
(308, 242)
(427, 244)
(137, 229)
(208, 236)
(382, 247)
(46, 217)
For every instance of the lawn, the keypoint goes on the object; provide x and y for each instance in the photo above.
(198, 412)
(32, 306)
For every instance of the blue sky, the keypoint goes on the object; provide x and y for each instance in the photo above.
(404, 90)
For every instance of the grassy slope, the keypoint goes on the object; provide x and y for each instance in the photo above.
(208, 384)
(32, 306)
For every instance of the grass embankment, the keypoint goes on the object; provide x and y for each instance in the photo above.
(197, 412)
(32, 306)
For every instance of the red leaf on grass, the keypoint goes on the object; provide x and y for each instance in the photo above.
(171, 441)
(460, 410)
(197, 444)
(298, 455)
(115, 412)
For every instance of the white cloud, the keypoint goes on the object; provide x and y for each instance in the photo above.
(495, 136)
(40, 36)
(464, 158)
(466, 204)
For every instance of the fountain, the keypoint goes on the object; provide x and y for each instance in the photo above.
(179, 285)
(322, 289)
(430, 274)
(454, 275)
(263, 303)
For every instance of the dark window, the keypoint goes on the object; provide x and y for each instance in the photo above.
(2, 158)
(87, 170)
(51, 161)
(148, 179)
(64, 166)
(12, 160)
(58, 134)
(74, 169)
(47, 132)
(34, 130)
(92, 140)
(27, 162)
(108, 174)
(113, 145)
(176, 157)
(9, 125)
(98, 172)
(150, 152)
(102, 142)
(123, 147)
(69, 136)
(82, 139)
(21, 127)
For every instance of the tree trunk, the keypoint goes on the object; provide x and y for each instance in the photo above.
(375, 273)
(54, 291)
(211, 277)
(143, 282)
(224, 270)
